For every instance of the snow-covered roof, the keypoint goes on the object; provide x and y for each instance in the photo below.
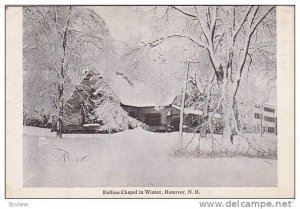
(139, 95)
(189, 110)
(265, 104)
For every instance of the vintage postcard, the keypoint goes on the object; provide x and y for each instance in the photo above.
(153, 101)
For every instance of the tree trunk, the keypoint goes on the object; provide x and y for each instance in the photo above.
(182, 107)
(62, 79)
(227, 130)
(227, 108)
(61, 108)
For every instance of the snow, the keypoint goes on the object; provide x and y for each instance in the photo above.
(189, 110)
(139, 95)
(134, 158)
(91, 125)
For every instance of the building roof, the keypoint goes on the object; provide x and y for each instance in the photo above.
(265, 104)
(189, 110)
(139, 95)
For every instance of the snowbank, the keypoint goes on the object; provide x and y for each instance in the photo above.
(252, 145)
(132, 158)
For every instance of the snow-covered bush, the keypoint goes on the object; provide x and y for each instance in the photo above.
(108, 111)
(250, 145)
(111, 116)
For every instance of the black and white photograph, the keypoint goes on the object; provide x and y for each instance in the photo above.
(160, 97)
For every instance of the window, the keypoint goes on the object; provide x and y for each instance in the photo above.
(271, 130)
(257, 115)
(269, 119)
(267, 109)
(153, 119)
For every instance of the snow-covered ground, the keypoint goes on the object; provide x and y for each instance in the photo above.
(138, 158)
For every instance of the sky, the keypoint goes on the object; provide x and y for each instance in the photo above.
(124, 23)
(131, 25)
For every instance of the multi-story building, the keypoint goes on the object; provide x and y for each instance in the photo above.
(262, 119)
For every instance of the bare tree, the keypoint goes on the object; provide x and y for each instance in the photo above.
(61, 43)
(229, 35)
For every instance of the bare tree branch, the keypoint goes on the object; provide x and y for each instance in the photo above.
(185, 13)
(238, 28)
(159, 41)
(253, 28)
